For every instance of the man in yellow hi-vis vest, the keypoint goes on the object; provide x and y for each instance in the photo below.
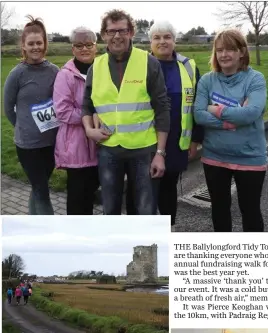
(126, 89)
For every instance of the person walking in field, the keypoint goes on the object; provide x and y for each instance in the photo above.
(18, 294)
(230, 103)
(9, 295)
(74, 152)
(25, 295)
(125, 87)
(29, 107)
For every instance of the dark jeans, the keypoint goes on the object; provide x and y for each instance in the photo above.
(112, 169)
(82, 183)
(18, 299)
(249, 187)
(38, 164)
(9, 298)
(167, 196)
(25, 298)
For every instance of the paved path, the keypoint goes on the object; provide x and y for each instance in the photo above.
(30, 320)
(197, 219)
(15, 194)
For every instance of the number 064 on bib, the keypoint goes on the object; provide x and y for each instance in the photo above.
(44, 116)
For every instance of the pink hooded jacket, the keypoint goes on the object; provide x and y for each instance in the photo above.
(73, 149)
(18, 292)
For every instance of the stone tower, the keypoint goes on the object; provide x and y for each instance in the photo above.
(143, 268)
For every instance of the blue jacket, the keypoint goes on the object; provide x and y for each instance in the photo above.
(176, 159)
(246, 145)
(26, 292)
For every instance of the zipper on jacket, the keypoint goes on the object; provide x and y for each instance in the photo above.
(120, 70)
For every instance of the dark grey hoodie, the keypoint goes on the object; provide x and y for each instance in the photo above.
(25, 86)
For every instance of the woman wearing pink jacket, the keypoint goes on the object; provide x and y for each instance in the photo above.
(18, 294)
(74, 152)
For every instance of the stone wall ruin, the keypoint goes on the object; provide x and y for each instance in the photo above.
(143, 267)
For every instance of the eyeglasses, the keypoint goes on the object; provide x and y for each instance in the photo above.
(80, 46)
(112, 32)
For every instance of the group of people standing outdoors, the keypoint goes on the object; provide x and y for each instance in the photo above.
(22, 290)
(131, 113)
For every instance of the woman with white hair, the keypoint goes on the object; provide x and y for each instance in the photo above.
(181, 76)
(74, 152)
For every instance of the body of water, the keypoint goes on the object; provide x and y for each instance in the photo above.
(164, 290)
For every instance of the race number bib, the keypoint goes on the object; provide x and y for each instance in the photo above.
(45, 116)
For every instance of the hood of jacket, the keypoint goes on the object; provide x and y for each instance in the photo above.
(70, 66)
(234, 79)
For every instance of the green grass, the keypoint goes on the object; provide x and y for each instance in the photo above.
(8, 327)
(10, 164)
(74, 305)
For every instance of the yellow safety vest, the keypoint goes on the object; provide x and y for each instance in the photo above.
(127, 113)
(188, 81)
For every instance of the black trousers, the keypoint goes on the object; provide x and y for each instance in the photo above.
(38, 164)
(82, 183)
(167, 196)
(249, 188)
(168, 193)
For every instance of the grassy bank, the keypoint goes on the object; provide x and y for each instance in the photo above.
(103, 311)
(8, 327)
(10, 164)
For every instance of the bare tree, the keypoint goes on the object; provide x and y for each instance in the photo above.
(247, 11)
(6, 14)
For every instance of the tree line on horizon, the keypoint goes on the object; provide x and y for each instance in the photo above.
(231, 13)
(13, 267)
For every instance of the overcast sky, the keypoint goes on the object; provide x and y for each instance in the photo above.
(63, 244)
(63, 17)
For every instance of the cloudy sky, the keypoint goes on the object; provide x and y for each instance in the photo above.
(63, 244)
(63, 17)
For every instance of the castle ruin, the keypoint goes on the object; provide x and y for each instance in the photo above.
(143, 267)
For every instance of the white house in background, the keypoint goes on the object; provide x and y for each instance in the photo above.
(61, 278)
(141, 37)
(50, 37)
(179, 36)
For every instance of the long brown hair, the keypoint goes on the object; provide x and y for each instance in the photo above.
(34, 26)
(234, 40)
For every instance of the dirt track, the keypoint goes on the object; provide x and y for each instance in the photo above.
(29, 320)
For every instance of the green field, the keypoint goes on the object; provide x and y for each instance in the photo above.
(107, 301)
(10, 163)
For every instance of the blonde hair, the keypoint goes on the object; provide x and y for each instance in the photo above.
(234, 40)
